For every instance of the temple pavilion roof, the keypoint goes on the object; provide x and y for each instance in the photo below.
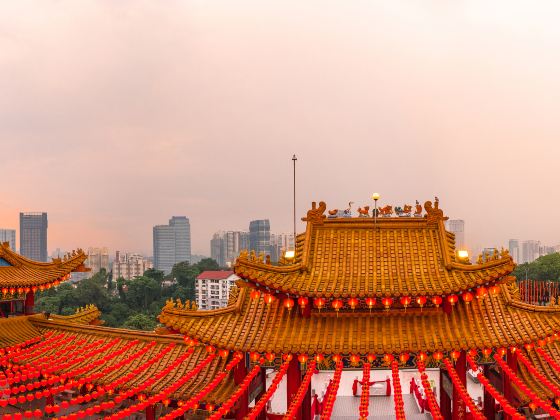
(499, 320)
(17, 271)
(360, 256)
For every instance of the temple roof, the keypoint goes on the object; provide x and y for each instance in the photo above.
(18, 329)
(359, 257)
(19, 272)
(251, 325)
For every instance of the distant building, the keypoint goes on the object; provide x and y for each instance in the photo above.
(514, 249)
(172, 243)
(226, 246)
(279, 243)
(33, 236)
(530, 251)
(98, 258)
(9, 235)
(129, 266)
(458, 228)
(259, 236)
(212, 288)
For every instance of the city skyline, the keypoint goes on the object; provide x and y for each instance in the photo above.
(461, 112)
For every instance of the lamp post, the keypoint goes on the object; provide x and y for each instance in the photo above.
(375, 197)
(294, 159)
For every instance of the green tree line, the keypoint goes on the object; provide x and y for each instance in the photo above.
(125, 303)
(546, 267)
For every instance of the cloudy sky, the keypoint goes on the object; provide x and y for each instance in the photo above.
(116, 115)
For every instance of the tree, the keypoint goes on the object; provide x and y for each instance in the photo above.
(546, 267)
(185, 274)
(154, 274)
(207, 264)
(141, 292)
(140, 322)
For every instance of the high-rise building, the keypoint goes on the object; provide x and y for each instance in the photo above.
(529, 251)
(172, 243)
(98, 258)
(129, 266)
(9, 235)
(212, 288)
(458, 228)
(279, 243)
(259, 236)
(33, 236)
(226, 246)
(514, 249)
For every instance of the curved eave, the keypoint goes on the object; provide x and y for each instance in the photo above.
(492, 322)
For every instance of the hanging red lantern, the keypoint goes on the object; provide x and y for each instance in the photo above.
(319, 358)
(268, 298)
(494, 290)
(337, 304)
(287, 357)
(421, 301)
(4, 290)
(210, 407)
(481, 292)
(302, 358)
(541, 342)
(405, 301)
(437, 355)
(337, 358)
(388, 358)
(486, 352)
(371, 357)
(354, 359)
(302, 302)
(467, 297)
(455, 354)
(529, 346)
(387, 302)
(210, 349)
(370, 302)
(437, 300)
(254, 356)
(404, 357)
(353, 302)
(452, 299)
(422, 356)
(255, 294)
(502, 351)
(288, 303)
(319, 302)
(532, 406)
(223, 353)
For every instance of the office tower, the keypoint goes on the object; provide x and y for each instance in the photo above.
(279, 243)
(458, 228)
(33, 236)
(129, 266)
(226, 246)
(9, 235)
(172, 243)
(529, 251)
(212, 288)
(514, 249)
(98, 258)
(259, 236)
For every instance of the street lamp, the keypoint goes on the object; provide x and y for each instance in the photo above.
(375, 197)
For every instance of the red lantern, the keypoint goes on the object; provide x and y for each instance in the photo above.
(4, 290)
(502, 351)
(529, 346)
(210, 349)
(436, 300)
(270, 356)
(371, 357)
(403, 357)
(319, 358)
(319, 302)
(388, 358)
(437, 355)
(288, 303)
(486, 352)
(494, 290)
(541, 342)
(467, 297)
(337, 358)
(223, 353)
(337, 304)
(421, 301)
(254, 356)
(353, 302)
(302, 358)
(405, 301)
(302, 302)
(422, 356)
(455, 354)
(370, 302)
(387, 302)
(354, 359)
(268, 298)
(481, 292)
(452, 299)
(255, 294)
(287, 357)
(209, 407)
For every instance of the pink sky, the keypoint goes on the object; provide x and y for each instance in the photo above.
(115, 116)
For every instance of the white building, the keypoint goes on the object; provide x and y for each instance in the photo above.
(458, 228)
(212, 288)
(97, 259)
(226, 246)
(129, 266)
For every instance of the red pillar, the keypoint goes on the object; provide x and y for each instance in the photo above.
(306, 404)
(444, 398)
(293, 380)
(150, 412)
(29, 302)
(489, 402)
(511, 358)
(459, 409)
(239, 373)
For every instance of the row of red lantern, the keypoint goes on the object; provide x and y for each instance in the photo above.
(28, 414)
(459, 387)
(41, 287)
(397, 391)
(549, 359)
(38, 348)
(68, 383)
(228, 405)
(301, 392)
(541, 378)
(137, 390)
(23, 345)
(261, 404)
(332, 390)
(432, 403)
(504, 403)
(38, 351)
(536, 401)
(163, 394)
(193, 402)
(364, 398)
(370, 302)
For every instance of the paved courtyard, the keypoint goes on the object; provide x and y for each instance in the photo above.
(380, 408)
